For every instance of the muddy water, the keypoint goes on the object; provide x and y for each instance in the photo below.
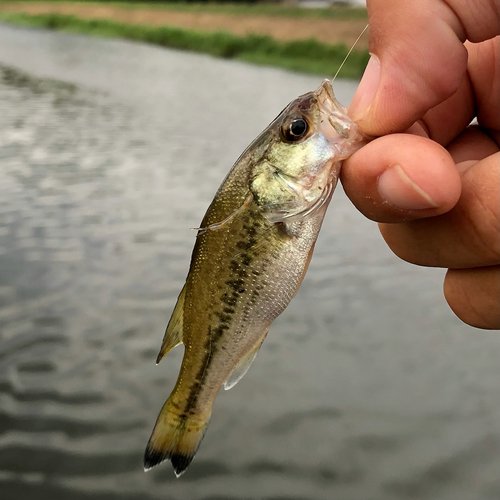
(367, 386)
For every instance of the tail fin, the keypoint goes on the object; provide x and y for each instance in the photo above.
(175, 437)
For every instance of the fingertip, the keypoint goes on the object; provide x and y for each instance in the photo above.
(401, 177)
(366, 90)
(418, 61)
(397, 188)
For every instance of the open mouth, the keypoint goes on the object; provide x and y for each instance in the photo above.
(339, 123)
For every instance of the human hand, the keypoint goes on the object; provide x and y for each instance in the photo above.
(434, 188)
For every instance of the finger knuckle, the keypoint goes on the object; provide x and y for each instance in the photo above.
(481, 227)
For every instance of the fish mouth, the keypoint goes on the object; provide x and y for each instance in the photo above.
(338, 128)
(326, 88)
(327, 101)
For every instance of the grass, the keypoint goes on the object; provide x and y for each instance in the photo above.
(308, 56)
(244, 9)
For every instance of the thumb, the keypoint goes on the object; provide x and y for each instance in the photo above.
(418, 58)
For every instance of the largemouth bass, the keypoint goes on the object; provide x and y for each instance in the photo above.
(251, 254)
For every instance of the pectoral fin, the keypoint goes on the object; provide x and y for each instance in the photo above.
(173, 334)
(227, 220)
(242, 367)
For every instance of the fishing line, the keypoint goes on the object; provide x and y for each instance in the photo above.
(349, 53)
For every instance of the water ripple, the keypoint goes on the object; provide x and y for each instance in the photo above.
(367, 386)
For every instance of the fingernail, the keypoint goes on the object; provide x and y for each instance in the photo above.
(395, 187)
(367, 89)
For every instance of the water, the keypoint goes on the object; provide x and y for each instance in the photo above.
(367, 387)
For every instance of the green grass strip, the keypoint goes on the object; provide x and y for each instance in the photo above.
(308, 56)
(244, 9)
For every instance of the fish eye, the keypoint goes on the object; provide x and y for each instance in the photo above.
(295, 128)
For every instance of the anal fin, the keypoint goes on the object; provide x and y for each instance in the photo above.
(242, 367)
(173, 334)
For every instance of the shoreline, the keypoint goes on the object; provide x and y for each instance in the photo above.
(269, 46)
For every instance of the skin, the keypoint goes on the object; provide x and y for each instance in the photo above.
(429, 179)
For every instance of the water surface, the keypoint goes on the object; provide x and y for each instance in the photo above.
(367, 387)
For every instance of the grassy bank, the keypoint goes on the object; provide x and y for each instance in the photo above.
(307, 56)
(257, 9)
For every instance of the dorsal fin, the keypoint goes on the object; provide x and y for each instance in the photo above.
(173, 334)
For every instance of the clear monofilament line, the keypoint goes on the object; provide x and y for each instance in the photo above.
(349, 53)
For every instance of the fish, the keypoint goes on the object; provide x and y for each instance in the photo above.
(251, 254)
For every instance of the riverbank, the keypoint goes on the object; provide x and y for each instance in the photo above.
(311, 41)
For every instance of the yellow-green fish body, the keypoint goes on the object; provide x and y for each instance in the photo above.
(249, 260)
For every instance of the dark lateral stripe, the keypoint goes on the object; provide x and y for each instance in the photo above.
(195, 389)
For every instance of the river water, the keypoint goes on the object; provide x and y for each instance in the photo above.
(367, 387)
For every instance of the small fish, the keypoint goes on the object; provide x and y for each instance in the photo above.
(251, 254)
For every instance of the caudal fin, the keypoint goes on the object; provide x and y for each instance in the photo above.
(176, 438)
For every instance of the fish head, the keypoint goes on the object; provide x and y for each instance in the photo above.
(303, 148)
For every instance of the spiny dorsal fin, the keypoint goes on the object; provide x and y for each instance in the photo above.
(242, 367)
(173, 334)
